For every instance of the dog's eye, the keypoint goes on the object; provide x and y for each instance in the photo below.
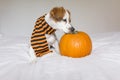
(64, 20)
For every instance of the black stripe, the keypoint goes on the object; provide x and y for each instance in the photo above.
(38, 43)
(46, 27)
(41, 50)
(43, 29)
(34, 36)
(42, 21)
(42, 26)
(42, 47)
(38, 22)
(34, 30)
(52, 31)
(39, 27)
(42, 16)
(38, 39)
(37, 32)
(48, 30)
(40, 31)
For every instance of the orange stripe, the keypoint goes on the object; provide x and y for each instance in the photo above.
(51, 31)
(37, 38)
(37, 32)
(41, 48)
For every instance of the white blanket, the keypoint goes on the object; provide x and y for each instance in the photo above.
(102, 64)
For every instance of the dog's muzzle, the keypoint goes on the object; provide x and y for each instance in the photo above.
(72, 29)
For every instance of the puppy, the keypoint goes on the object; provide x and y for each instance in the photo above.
(43, 38)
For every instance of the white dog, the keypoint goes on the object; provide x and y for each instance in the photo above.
(57, 19)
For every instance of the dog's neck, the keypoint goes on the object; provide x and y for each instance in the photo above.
(50, 21)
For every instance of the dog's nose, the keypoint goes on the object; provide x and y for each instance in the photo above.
(72, 29)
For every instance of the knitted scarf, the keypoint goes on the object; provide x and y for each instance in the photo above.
(38, 38)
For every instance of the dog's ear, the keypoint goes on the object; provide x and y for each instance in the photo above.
(69, 15)
(68, 12)
(57, 13)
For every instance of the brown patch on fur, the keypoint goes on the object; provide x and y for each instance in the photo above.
(57, 13)
(69, 15)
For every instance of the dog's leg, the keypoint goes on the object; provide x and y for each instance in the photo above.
(53, 43)
(56, 46)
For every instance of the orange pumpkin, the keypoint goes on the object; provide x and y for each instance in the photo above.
(77, 44)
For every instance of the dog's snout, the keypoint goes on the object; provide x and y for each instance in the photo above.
(72, 29)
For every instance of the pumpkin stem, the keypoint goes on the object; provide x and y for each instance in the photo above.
(74, 32)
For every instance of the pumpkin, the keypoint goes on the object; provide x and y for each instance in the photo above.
(77, 44)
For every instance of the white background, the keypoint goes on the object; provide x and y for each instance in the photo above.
(17, 17)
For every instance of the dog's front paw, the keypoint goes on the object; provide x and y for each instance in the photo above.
(51, 47)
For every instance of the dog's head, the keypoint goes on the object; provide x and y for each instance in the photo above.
(60, 19)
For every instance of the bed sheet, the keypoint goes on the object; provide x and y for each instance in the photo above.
(102, 64)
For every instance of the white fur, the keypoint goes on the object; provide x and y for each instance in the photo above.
(61, 25)
(51, 39)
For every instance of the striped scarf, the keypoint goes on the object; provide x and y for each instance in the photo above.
(38, 38)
